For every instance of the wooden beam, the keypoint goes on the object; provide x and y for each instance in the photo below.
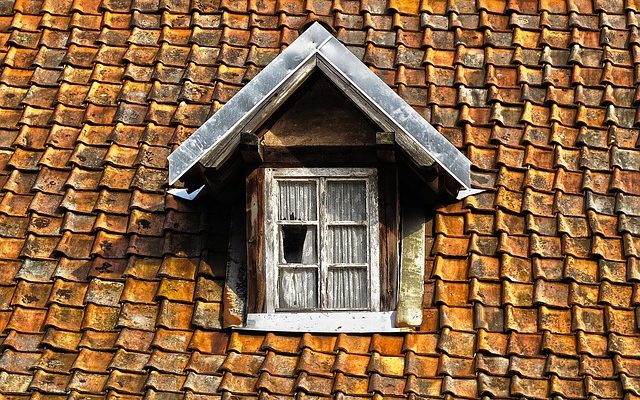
(319, 157)
(251, 148)
(447, 186)
(418, 183)
(226, 183)
(385, 146)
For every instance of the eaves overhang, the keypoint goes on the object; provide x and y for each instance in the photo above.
(318, 49)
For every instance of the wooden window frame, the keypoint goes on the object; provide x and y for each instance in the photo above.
(271, 248)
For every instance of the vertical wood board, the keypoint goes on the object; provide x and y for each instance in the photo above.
(255, 234)
(235, 292)
(411, 290)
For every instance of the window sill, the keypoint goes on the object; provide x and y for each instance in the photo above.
(325, 322)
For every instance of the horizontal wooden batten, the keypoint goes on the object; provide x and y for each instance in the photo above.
(325, 156)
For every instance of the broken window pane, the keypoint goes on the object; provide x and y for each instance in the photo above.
(347, 244)
(349, 288)
(346, 201)
(297, 200)
(298, 244)
(298, 288)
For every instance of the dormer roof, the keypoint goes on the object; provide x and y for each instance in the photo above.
(318, 50)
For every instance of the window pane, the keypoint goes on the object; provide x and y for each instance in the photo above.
(298, 244)
(348, 288)
(297, 200)
(346, 200)
(347, 244)
(298, 288)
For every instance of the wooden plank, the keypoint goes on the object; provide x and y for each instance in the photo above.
(389, 226)
(235, 286)
(250, 148)
(255, 243)
(325, 116)
(385, 145)
(325, 322)
(270, 235)
(389, 217)
(327, 157)
(411, 288)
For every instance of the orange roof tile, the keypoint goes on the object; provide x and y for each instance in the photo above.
(110, 287)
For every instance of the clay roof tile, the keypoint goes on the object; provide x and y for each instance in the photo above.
(165, 382)
(281, 365)
(542, 96)
(139, 291)
(16, 362)
(125, 382)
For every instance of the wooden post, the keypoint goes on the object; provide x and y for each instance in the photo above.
(251, 148)
(389, 218)
(409, 311)
(235, 287)
(256, 287)
(389, 221)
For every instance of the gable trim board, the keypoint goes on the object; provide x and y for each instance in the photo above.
(318, 49)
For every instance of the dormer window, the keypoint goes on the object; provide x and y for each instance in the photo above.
(321, 239)
(337, 171)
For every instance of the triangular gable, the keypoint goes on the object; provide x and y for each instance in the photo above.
(317, 49)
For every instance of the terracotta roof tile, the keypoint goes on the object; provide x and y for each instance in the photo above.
(125, 382)
(29, 294)
(248, 365)
(26, 320)
(92, 361)
(23, 341)
(208, 384)
(80, 223)
(167, 362)
(16, 362)
(104, 293)
(237, 384)
(456, 367)
(209, 364)
(493, 385)
(541, 267)
(128, 361)
(98, 340)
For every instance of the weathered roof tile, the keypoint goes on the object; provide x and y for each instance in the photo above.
(94, 254)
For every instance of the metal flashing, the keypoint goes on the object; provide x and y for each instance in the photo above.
(316, 49)
(185, 194)
(464, 193)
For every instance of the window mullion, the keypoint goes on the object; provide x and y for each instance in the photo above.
(374, 249)
(272, 243)
(323, 271)
(368, 240)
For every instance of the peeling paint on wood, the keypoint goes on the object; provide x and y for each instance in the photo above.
(409, 311)
(235, 292)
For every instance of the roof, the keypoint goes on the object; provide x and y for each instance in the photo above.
(316, 49)
(109, 286)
